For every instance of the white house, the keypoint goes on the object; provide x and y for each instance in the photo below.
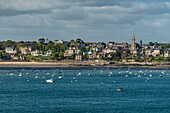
(49, 52)
(167, 53)
(10, 50)
(25, 50)
(36, 53)
(156, 52)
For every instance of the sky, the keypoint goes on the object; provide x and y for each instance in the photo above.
(90, 20)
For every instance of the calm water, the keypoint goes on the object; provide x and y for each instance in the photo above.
(85, 91)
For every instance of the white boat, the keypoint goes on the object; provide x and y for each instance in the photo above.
(11, 74)
(61, 77)
(119, 89)
(47, 73)
(20, 74)
(78, 74)
(36, 76)
(43, 77)
(50, 81)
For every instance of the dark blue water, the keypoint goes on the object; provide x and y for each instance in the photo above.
(85, 91)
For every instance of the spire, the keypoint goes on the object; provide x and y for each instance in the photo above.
(133, 36)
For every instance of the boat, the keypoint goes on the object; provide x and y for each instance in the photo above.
(62, 76)
(11, 74)
(20, 74)
(50, 81)
(36, 76)
(43, 77)
(119, 89)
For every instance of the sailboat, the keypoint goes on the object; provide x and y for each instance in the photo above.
(62, 74)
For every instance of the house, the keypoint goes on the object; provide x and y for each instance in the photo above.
(48, 53)
(94, 49)
(58, 41)
(117, 49)
(22, 58)
(92, 56)
(148, 52)
(107, 50)
(15, 57)
(101, 45)
(118, 45)
(110, 44)
(29, 48)
(122, 45)
(36, 53)
(91, 44)
(25, 50)
(109, 55)
(167, 53)
(100, 55)
(156, 52)
(78, 57)
(10, 50)
(69, 52)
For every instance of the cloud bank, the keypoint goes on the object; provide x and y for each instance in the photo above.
(91, 20)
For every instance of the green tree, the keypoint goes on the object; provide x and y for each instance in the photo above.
(79, 40)
(50, 46)
(41, 40)
(60, 55)
(8, 43)
(125, 54)
(151, 43)
(54, 53)
(80, 52)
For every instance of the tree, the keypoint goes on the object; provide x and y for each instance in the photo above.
(50, 46)
(54, 53)
(80, 52)
(117, 56)
(151, 43)
(125, 54)
(156, 43)
(73, 43)
(8, 43)
(62, 47)
(79, 40)
(41, 40)
(60, 55)
(1, 54)
(54, 56)
(20, 44)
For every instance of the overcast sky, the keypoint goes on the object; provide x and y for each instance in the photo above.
(90, 20)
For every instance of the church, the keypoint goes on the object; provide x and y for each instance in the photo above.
(134, 46)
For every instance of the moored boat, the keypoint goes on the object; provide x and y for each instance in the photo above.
(50, 81)
(119, 89)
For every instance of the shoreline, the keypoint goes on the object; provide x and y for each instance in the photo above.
(81, 65)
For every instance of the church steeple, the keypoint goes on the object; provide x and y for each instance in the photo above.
(133, 36)
(133, 45)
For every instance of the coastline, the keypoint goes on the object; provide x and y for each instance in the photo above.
(82, 65)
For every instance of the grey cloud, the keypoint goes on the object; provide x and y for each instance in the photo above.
(90, 18)
(70, 14)
(13, 12)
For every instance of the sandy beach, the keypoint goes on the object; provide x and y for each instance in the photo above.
(83, 64)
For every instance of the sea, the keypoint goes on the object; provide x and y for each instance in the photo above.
(84, 90)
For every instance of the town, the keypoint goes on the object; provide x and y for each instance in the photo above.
(78, 50)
